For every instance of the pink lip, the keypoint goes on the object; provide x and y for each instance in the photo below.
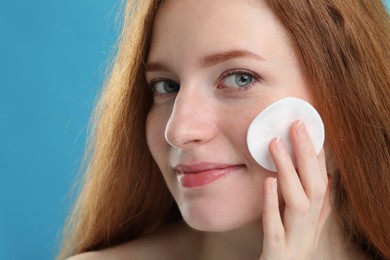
(197, 175)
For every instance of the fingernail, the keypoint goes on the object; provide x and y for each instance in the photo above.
(275, 186)
(279, 144)
(301, 129)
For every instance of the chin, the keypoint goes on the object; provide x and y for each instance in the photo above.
(217, 221)
(209, 226)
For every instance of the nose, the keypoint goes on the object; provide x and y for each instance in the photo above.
(192, 120)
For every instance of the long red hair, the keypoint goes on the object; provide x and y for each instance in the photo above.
(344, 50)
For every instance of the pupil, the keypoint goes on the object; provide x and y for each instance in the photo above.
(243, 80)
(170, 86)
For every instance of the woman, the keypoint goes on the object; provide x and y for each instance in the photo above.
(188, 79)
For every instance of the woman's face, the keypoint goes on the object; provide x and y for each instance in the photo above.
(214, 65)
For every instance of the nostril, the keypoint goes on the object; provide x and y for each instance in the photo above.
(178, 135)
(188, 132)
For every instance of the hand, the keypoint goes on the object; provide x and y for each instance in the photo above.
(294, 233)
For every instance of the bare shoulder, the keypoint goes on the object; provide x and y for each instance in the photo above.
(171, 242)
(176, 241)
(88, 256)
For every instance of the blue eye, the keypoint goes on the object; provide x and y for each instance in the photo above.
(238, 80)
(165, 86)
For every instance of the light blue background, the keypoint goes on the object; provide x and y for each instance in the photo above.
(53, 56)
(52, 61)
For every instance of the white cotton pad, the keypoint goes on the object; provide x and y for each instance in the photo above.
(275, 121)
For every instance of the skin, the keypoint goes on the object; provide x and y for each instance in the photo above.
(214, 66)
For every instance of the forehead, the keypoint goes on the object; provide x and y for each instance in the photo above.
(201, 27)
(205, 6)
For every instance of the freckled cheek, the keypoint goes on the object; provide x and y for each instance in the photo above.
(155, 128)
(236, 127)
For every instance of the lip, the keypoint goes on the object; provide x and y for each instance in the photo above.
(197, 175)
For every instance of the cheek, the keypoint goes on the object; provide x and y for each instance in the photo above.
(235, 125)
(155, 128)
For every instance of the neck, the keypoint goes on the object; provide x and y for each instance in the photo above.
(242, 243)
(332, 244)
(246, 243)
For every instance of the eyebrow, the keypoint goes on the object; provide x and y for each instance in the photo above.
(155, 66)
(208, 60)
(228, 55)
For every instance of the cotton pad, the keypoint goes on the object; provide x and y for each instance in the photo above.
(275, 121)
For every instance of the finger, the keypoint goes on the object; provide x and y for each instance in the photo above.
(273, 240)
(311, 168)
(325, 209)
(324, 215)
(288, 180)
(312, 171)
(297, 205)
(324, 170)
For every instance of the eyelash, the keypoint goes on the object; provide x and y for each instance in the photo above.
(152, 85)
(226, 74)
(219, 82)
